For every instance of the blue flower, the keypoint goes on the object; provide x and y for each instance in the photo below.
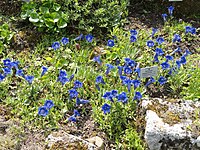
(127, 70)
(71, 77)
(49, 104)
(164, 17)
(120, 68)
(137, 70)
(44, 70)
(169, 57)
(154, 30)
(19, 72)
(170, 10)
(55, 45)
(178, 50)
(76, 113)
(129, 62)
(136, 83)
(133, 38)
(43, 111)
(109, 67)
(81, 101)
(173, 69)
(7, 71)
(128, 82)
(62, 73)
(150, 43)
(165, 65)
(110, 43)
(14, 64)
(151, 80)
(178, 63)
(106, 108)
(89, 37)
(162, 80)
(114, 93)
(63, 80)
(137, 96)
(187, 52)
(133, 32)
(29, 79)
(176, 38)
(183, 60)
(122, 98)
(73, 93)
(65, 40)
(123, 78)
(7, 62)
(188, 29)
(99, 79)
(108, 96)
(159, 51)
(2, 77)
(77, 84)
(155, 58)
(160, 40)
(72, 118)
(97, 59)
(80, 37)
(193, 30)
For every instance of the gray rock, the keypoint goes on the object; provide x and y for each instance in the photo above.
(172, 124)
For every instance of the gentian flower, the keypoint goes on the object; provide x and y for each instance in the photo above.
(19, 72)
(55, 45)
(173, 69)
(154, 30)
(110, 43)
(99, 79)
(169, 57)
(151, 80)
(176, 38)
(63, 80)
(6, 63)
(159, 51)
(108, 96)
(43, 111)
(128, 82)
(188, 29)
(81, 101)
(137, 96)
(49, 104)
(65, 40)
(120, 68)
(76, 113)
(183, 60)
(156, 58)
(106, 108)
(133, 38)
(109, 67)
(62, 73)
(44, 70)
(127, 70)
(77, 84)
(29, 79)
(150, 43)
(7, 71)
(178, 50)
(14, 64)
(71, 77)
(2, 77)
(80, 37)
(133, 32)
(165, 65)
(73, 93)
(97, 59)
(162, 80)
(178, 63)
(160, 40)
(89, 37)
(187, 52)
(114, 93)
(117, 62)
(164, 17)
(170, 9)
(122, 98)
(72, 118)
(136, 83)
(123, 78)
(193, 30)
(137, 70)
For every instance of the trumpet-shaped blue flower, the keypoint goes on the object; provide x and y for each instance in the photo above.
(133, 38)
(89, 37)
(127, 82)
(63, 80)
(7, 71)
(122, 97)
(183, 60)
(170, 10)
(77, 84)
(106, 108)
(43, 111)
(111, 43)
(178, 63)
(159, 51)
(137, 70)
(137, 96)
(165, 65)
(136, 83)
(55, 45)
(108, 96)
(120, 68)
(2, 77)
(177, 50)
(99, 79)
(114, 93)
(129, 62)
(6, 62)
(187, 52)
(97, 59)
(169, 57)
(29, 79)
(127, 70)
(155, 58)
(49, 104)
(71, 77)
(164, 16)
(44, 70)
(154, 30)
(72, 118)
(73, 93)
(160, 40)
(151, 80)
(162, 80)
(65, 40)
(133, 32)
(76, 113)
(81, 101)
(193, 30)
(150, 43)
(80, 37)
(109, 67)
(20, 72)
(176, 38)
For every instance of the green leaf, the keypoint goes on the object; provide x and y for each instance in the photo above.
(49, 23)
(56, 6)
(55, 16)
(44, 10)
(62, 23)
(34, 17)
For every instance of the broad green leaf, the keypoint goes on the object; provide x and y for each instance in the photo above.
(44, 10)
(56, 7)
(55, 16)
(49, 23)
(34, 17)
(62, 23)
